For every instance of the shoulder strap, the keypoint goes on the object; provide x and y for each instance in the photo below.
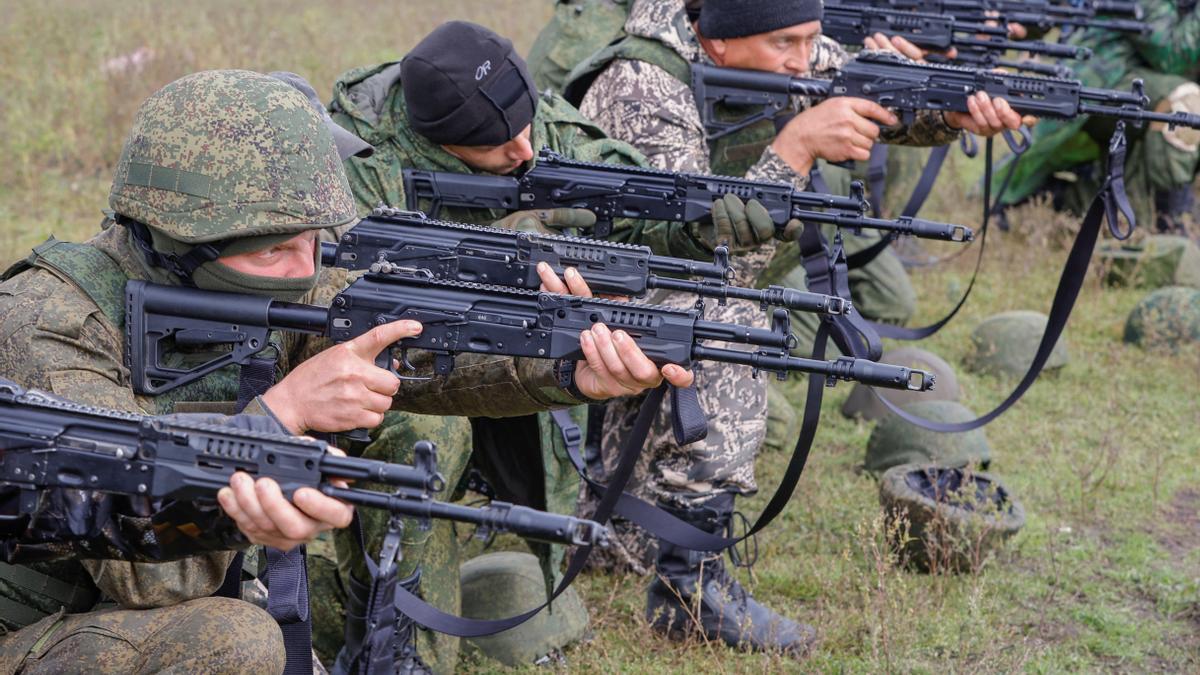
(89, 268)
(630, 47)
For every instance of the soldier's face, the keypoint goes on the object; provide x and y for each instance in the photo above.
(787, 50)
(292, 259)
(497, 159)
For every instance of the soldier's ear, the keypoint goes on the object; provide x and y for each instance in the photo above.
(716, 49)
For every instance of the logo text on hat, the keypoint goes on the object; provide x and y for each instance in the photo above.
(483, 69)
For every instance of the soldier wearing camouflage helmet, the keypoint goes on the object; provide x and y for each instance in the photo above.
(639, 90)
(223, 183)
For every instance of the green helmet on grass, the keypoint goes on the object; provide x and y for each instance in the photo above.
(1168, 318)
(943, 519)
(498, 585)
(1005, 344)
(895, 441)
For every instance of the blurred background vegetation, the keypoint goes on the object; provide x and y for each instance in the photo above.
(1103, 454)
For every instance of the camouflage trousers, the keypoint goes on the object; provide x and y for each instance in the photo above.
(435, 550)
(735, 404)
(207, 635)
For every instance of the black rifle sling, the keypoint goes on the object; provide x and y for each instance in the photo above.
(287, 573)
(920, 194)
(1110, 201)
(877, 177)
(916, 200)
(902, 333)
(667, 527)
(826, 272)
(435, 619)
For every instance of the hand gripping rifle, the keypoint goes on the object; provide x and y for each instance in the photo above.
(458, 317)
(47, 442)
(852, 21)
(615, 191)
(907, 86)
(393, 239)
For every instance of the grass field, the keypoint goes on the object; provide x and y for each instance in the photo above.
(1103, 454)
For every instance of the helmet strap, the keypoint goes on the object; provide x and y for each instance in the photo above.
(181, 266)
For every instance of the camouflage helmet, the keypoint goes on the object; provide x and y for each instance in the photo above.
(1167, 318)
(1158, 260)
(1006, 343)
(943, 519)
(895, 441)
(227, 154)
(864, 403)
(498, 585)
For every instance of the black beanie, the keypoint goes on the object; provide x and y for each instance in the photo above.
(726, 19)
(465, 85)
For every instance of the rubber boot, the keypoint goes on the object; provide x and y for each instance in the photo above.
(407, 661)
(694, 593)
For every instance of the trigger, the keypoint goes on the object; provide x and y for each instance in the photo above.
(404, 362)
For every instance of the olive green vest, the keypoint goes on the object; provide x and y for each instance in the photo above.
(103, 281)
(731, 155)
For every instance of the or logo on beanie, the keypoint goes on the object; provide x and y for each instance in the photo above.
(465, 85)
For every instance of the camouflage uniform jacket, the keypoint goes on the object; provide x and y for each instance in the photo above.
(57, 339)
(370, 102)
(1170, 48)
(654, 110)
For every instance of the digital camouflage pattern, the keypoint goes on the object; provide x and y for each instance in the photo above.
(655, 110)
(577, 29)
(235, 637)
(435, 550)
(369, 101)
(269, 167)
(1005, 344)
(652, 108)
(1167, 58)
(1167, 319)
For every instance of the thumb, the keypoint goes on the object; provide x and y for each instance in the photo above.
(873, 111)
(736, 209)
(371, 343)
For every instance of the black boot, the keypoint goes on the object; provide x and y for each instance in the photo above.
(1173, 206)
(403, 637)
(407, 660)
(693, 592)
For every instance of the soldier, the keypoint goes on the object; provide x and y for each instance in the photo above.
(639, 90)
(463, 100)
(1160, 163)
(224, 183)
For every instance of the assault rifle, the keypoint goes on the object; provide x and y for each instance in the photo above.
(458, 317)
(851, 21)
(615, 191)
(47, 442)
(1041, 14)
(907, 86)
(391, 238)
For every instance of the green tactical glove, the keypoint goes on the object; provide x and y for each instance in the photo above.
(741, 227)
(547, 221)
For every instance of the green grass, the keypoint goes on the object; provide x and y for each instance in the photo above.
(1103, 454)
